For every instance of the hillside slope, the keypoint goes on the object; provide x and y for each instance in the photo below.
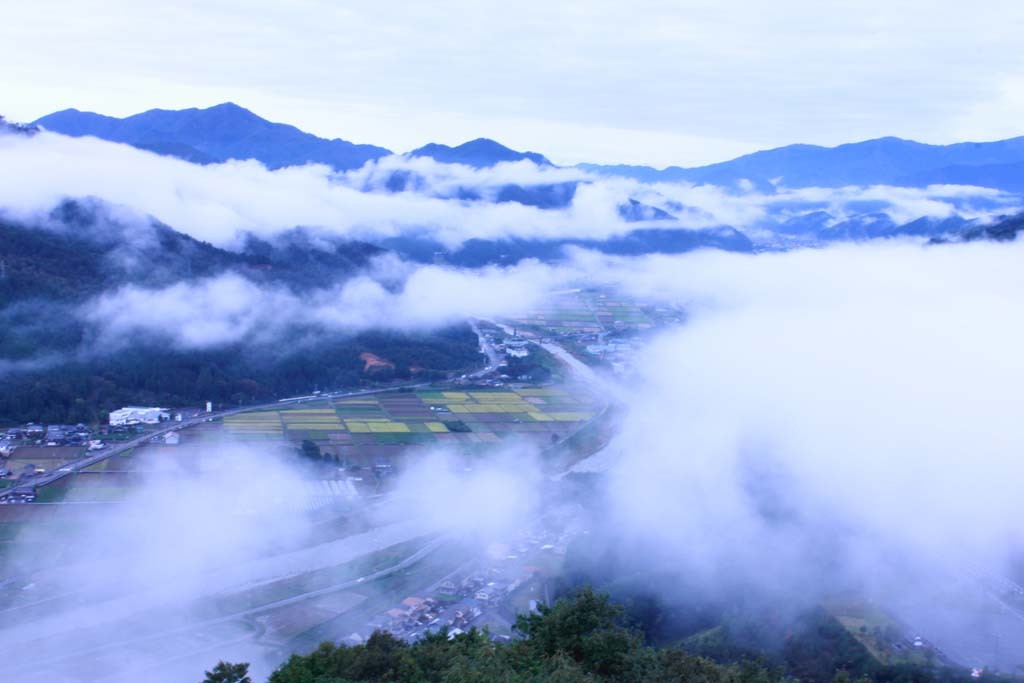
(57, 365)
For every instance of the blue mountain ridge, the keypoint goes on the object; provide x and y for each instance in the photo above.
(226, 131)
(888, 161)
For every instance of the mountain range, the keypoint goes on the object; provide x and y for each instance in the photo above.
(883, 161)
(216, 134)
(228, 131)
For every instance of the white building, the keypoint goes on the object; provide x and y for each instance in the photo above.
(133, 415)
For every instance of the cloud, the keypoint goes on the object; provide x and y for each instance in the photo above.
(882, 372)
(497, 496)
(219, 202)
(826, 417)
(190, 527)
(446, 179)
(229, 309)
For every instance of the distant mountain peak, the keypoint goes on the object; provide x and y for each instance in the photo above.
(215, 134)
(230, 110)
(479, 153)
(229, 106)
(485, 145)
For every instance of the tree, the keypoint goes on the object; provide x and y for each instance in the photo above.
(226, 672)
(311, 450)
(585, 629)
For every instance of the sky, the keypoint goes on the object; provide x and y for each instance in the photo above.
(658, 82)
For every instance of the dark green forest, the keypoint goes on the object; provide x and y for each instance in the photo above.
(53, 369)
(148, 374)
(585, 638)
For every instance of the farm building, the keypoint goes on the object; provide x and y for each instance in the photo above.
(133, 415)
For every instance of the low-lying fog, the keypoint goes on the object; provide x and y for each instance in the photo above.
(826, 418)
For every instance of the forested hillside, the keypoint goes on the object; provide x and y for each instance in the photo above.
(85, 389)
(55, 368)
(585, 639)
(79, 250)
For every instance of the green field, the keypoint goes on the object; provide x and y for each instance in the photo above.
(361, 429)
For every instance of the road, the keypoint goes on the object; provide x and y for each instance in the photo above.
(95, 457)
(493, 359)
(38, 664)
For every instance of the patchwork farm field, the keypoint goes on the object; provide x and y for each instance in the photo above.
(361, 430)
(365, 431)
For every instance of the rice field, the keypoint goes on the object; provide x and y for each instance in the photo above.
(368, 428)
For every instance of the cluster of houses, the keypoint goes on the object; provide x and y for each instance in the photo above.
(54, 435)
(411, 613)
(414, 615)
(48, 435)
(40, 435)
(120, 420)
(480, 588)
(484, 593)
(461, 599)
(80, 434)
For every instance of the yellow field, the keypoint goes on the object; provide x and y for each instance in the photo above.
(389, 427)
(317, 426)
(540, 392)
(254, 424)
(310, 418)
(436, 427)
(569, 417)
(492, 408)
